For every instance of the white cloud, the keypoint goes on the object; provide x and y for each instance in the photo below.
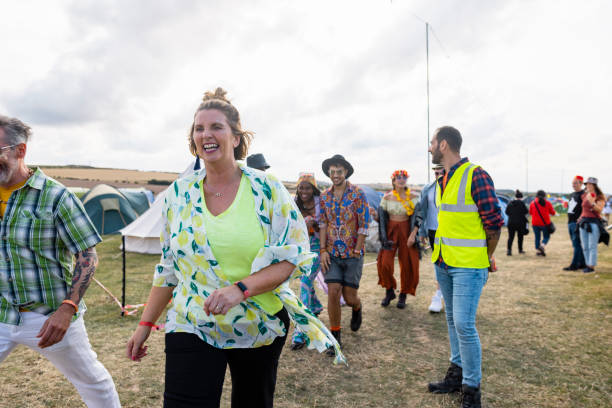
(116, 83)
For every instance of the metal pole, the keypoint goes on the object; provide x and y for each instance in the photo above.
(427, 57)
(123, 280)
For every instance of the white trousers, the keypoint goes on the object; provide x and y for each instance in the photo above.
(73, 356)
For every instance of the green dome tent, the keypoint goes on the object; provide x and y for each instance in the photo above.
(108, 209)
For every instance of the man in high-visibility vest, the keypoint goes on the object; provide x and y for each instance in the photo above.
(469, 225)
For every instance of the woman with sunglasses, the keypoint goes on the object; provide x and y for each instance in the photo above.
(397, 231)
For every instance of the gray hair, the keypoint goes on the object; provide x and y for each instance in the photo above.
(15, 130)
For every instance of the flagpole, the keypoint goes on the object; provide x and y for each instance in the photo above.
(427, 58)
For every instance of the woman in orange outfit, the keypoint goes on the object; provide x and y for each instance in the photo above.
(397, 231)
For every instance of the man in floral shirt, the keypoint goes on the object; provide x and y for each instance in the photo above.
(343, 226)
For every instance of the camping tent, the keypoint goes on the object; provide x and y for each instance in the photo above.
(138, 198)
(142, 235)
(372, 196)
(108, 209)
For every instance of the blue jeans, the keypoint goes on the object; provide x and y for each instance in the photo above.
(540, 230)
(589, 243)
(578, 258)
(461, 288)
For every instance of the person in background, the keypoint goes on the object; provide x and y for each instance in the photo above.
(540, 210)
(593, 201)
(398, 233)
(607, 210)
(345, 216)
(469, 224)
(307, 200)
(517, 221)
(574, 210)
(232, 238)
(257, 161)
(48, 261)
(427, 232)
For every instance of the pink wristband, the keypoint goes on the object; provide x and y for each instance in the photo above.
(149, 324)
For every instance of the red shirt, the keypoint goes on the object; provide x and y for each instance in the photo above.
(587, 208)
(547, 210)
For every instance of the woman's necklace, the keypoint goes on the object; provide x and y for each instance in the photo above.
(405, 202)
(216, 194)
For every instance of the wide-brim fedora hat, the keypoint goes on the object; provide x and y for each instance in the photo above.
(337, 159)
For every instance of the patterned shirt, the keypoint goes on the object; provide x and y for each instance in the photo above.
(483, 193)
(189, 266)
(43, 226)
(344, 219)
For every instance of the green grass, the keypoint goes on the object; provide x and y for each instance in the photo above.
(546, 337)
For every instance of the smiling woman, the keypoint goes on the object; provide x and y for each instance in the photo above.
(231, 120)
(233, 238)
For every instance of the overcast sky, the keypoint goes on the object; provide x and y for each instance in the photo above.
(116, 83)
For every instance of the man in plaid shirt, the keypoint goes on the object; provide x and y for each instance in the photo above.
(42, 228)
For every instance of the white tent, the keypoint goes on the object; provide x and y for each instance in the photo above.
(142, 235)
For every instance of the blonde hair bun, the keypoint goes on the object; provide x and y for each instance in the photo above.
(219, 94)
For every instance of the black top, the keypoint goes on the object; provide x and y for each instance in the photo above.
(574, 207)
(517, 213)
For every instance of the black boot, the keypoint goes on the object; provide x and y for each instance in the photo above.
(356, 319)
(401, 303)
(389, 296)
(471, 397)
(450, 383)
(331, 351)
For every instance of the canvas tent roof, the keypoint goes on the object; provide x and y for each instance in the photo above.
(138, 199)
(142, 235)
(108, 209)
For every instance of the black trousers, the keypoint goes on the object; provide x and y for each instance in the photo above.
(512, 229)
(195, 372)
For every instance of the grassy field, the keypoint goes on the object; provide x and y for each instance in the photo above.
(546, 336)
(99, 174)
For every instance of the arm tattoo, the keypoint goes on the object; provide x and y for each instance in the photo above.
(86, 263)
(492, 239)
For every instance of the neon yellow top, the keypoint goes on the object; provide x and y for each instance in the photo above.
(235, 237)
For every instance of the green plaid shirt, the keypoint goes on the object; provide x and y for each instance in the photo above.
(43, 226)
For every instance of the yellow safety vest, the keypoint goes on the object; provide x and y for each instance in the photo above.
(460, 236)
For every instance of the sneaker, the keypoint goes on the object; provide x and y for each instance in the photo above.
(522, 252)
(331, 351)
(401, 303)
(569, 268)
(509, 253)
(588, 269)
(451, 382)
(356, 318)
(436, 302)
(470, 397)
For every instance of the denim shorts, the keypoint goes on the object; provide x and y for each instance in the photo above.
(346, 271)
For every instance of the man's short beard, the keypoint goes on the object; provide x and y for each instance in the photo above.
(436, 157)
(6, 173)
